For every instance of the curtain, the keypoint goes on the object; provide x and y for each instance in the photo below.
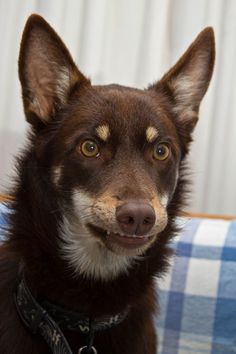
(133, 42)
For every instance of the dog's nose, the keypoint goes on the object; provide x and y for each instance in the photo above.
(135, 218)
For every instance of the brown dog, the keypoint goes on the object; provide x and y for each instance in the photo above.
(99, 186)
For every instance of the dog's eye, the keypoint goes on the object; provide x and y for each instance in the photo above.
(89, 148)
(161, 152)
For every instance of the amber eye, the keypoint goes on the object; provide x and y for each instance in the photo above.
(161, 152)
(89, 148)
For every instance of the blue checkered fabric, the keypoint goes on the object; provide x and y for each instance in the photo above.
(4, 211)
(198, 296)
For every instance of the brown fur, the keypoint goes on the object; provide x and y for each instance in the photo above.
(126, 170)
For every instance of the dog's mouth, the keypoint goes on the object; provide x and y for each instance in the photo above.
(124, 241)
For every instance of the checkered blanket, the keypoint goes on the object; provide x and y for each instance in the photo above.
(3, 220)
(198, 296)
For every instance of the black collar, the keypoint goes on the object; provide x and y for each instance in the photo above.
(49, 320)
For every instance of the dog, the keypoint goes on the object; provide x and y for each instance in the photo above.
(100, 183)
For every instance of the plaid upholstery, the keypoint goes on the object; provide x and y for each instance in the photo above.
(198, 296)
(3, 220)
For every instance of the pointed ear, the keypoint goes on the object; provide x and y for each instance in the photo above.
(46, 70)
(187, 81)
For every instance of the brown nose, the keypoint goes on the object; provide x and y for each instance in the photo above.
(135, 218)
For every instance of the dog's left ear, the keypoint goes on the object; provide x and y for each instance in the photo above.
(186, 82)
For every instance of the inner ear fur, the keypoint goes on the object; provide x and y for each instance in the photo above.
(46, 70)
(187, 81)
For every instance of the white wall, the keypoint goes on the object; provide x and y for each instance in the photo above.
(132, 42)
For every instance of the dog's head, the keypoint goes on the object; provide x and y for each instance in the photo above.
(113, 152)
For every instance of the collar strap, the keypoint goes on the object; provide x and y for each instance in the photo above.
(74, 321)
(48, 319)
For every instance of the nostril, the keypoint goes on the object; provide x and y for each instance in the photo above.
(131, 220)
(149, 219)
(127, 220)
(146, 221)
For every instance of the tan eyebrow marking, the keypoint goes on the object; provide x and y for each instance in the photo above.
(103, 132)
(151, 134)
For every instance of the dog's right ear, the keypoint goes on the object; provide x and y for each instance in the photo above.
(46, 70)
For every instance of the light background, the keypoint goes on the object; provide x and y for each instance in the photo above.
(132, 42)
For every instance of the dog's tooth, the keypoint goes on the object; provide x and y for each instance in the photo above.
(108, 233)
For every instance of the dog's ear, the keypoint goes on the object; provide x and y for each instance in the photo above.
(187, 81)
(46, 70)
